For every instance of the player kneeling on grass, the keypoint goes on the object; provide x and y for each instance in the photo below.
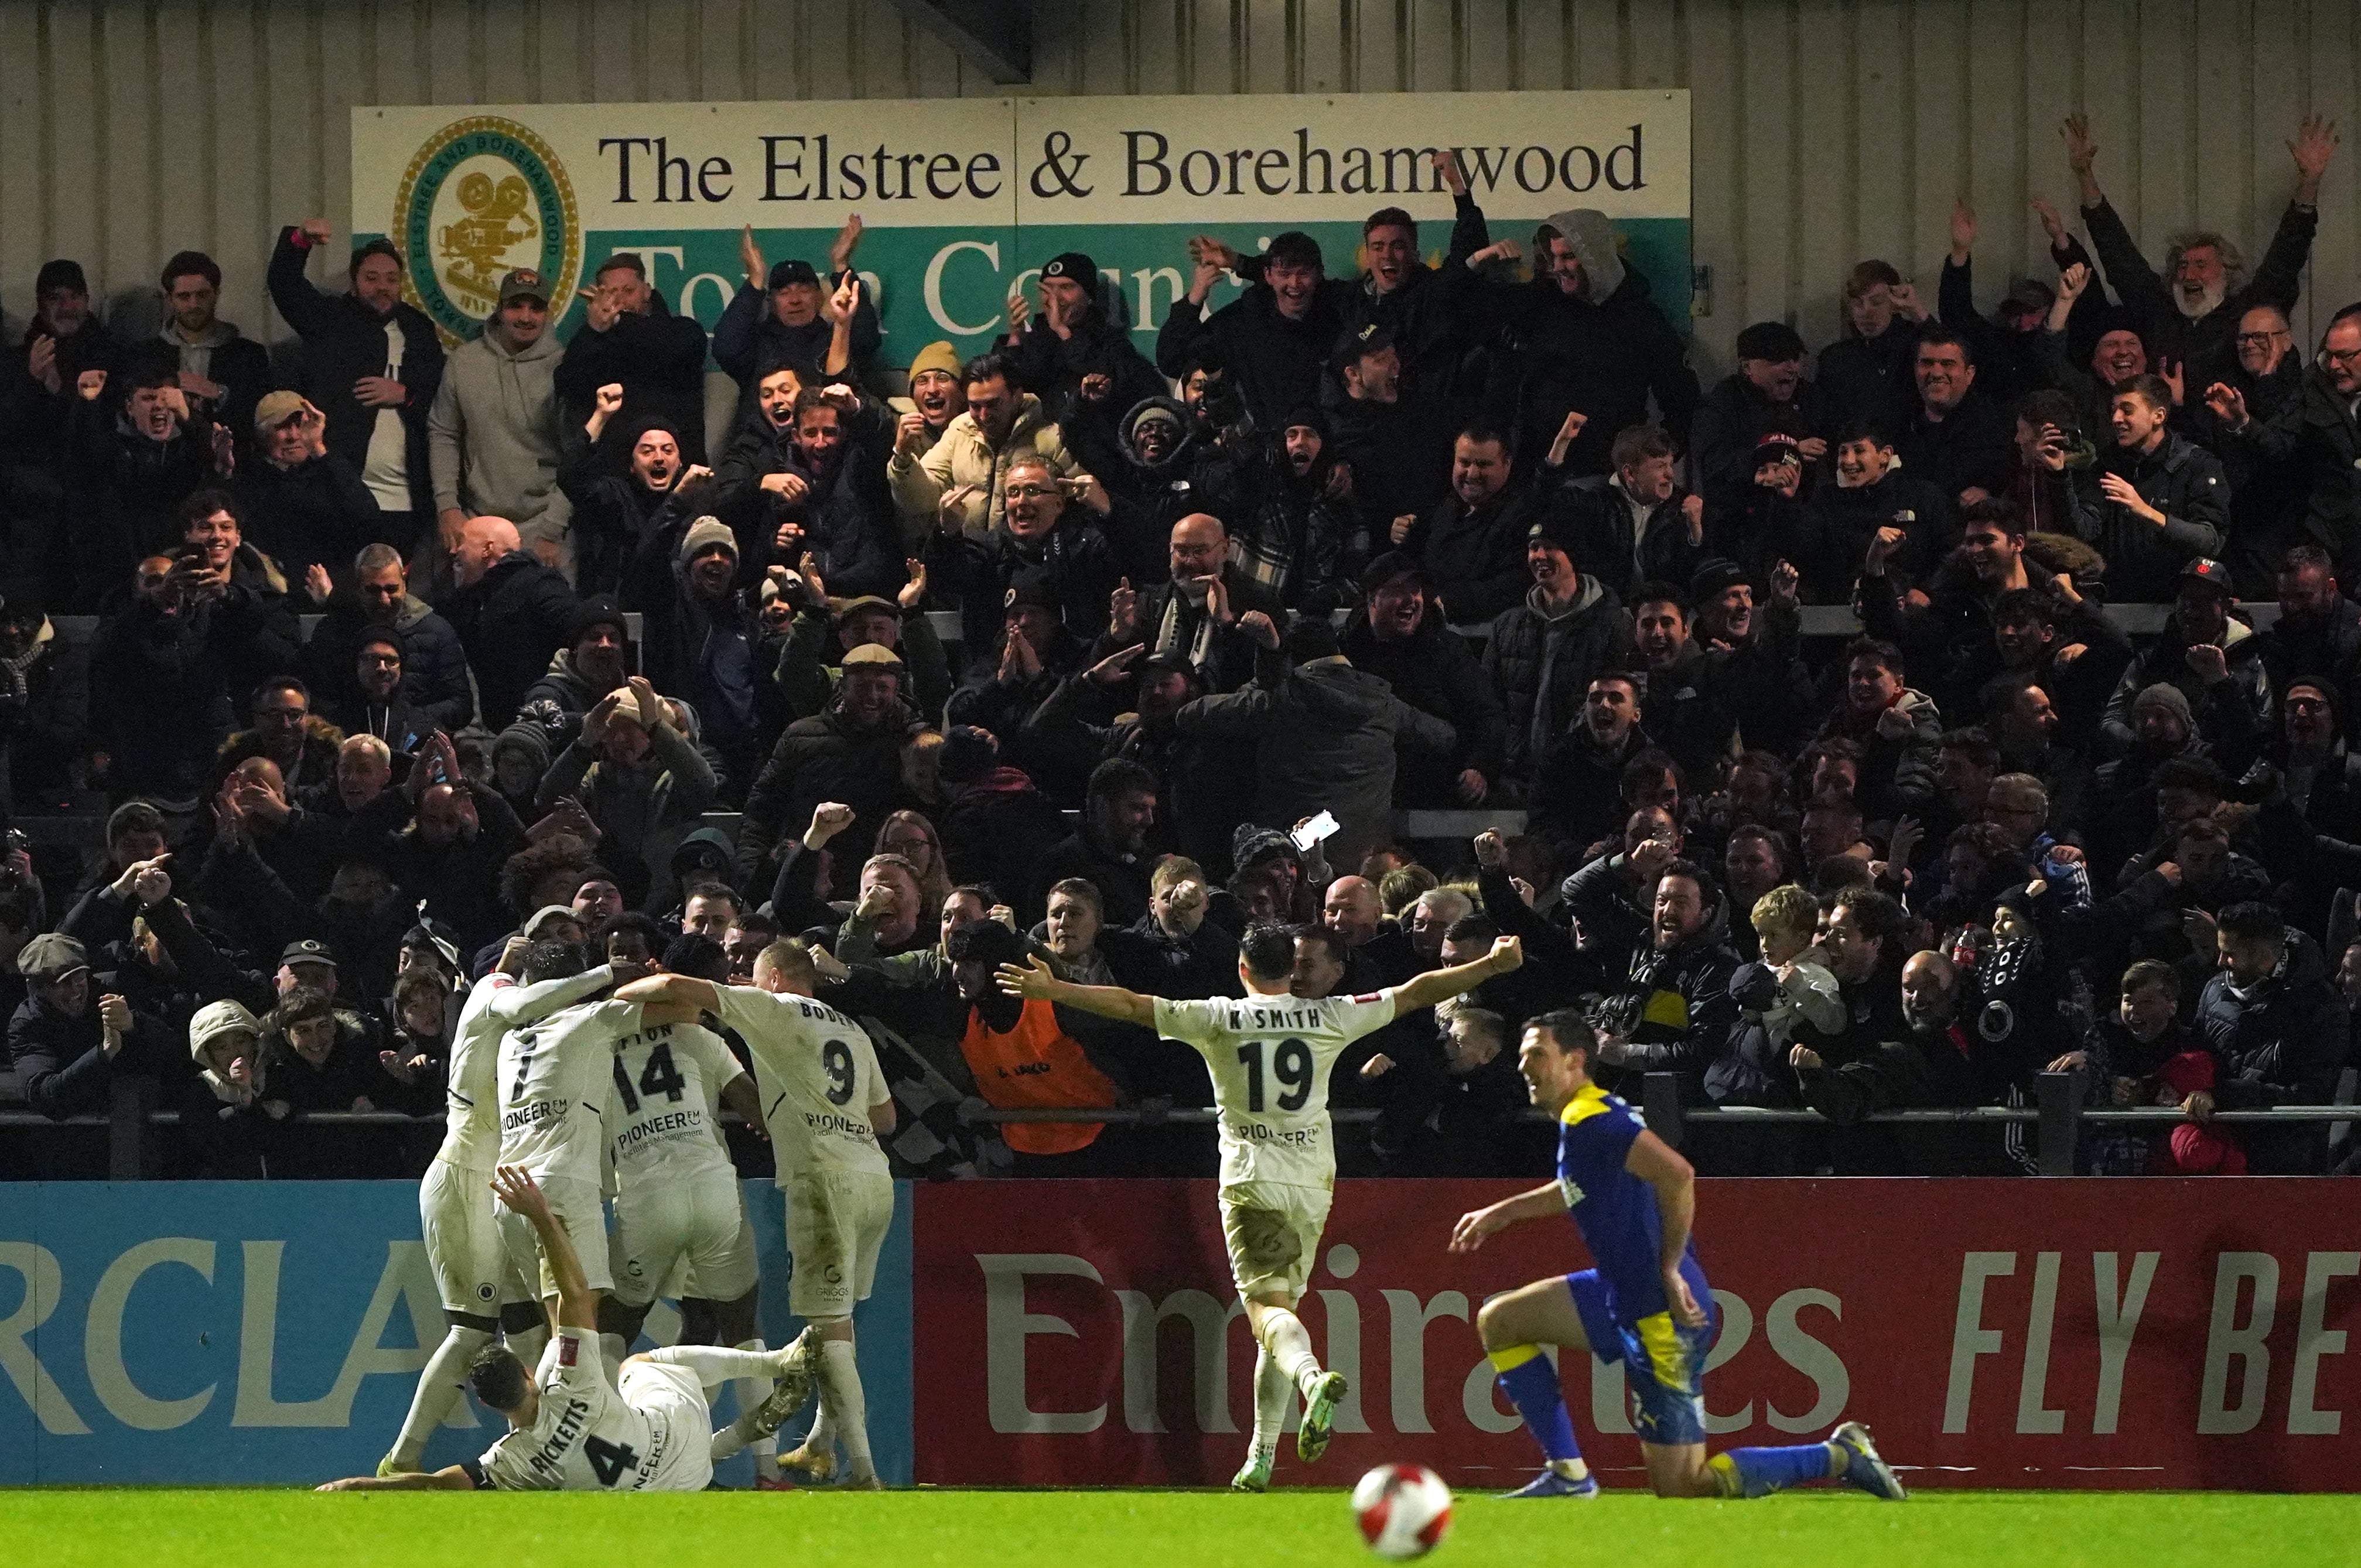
(825, 1104)
(1646, 1304)
(570, 1429)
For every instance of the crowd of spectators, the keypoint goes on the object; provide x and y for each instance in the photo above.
(403, 647)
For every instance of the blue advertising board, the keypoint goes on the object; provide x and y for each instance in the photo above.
(252, 1333)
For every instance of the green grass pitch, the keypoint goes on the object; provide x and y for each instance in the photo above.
(100, 1529)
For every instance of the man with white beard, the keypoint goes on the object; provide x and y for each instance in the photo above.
(2189, 316)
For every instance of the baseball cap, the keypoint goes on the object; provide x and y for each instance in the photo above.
(547, 913)
(2211, 572)
(51, 956)
(275, 410)
(308, 950)
(524, 283)
(2030, 294)
(1374, 339)
(1392, 567)
(1030, 588)
(793, 272)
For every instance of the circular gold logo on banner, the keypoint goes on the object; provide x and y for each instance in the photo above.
(484, 196)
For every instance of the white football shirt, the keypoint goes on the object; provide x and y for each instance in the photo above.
(589, 1438)
(556, 1077)
(819, 1076)
(471, 1117)
(666, 1079)
(1269, 1056)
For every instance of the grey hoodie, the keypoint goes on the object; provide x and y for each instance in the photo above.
(493, 435)
(1592, 235)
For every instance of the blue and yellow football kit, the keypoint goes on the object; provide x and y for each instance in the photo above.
(1627, 1319)
(1624, 1312)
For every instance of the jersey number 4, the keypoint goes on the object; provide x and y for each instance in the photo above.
(659, 1077)
(609, 1460)
(1291, 1064)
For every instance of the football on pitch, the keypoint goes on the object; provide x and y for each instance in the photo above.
(1402, 1509)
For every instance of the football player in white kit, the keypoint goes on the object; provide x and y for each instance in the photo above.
(556, 1077)
(1270, 1053)
(825, 1104)
(571, 1429)
(676, 1199)
(481, 1292)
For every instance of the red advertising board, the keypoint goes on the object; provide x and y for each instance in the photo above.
(2058, 1332)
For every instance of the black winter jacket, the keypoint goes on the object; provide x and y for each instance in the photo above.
(658, 357)
(344, 340)
(511, 621)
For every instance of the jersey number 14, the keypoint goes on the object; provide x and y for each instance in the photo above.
(659, 1077)
(1291, 1064)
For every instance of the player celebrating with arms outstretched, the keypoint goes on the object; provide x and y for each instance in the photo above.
(1270, 1052)
(1646, 1304)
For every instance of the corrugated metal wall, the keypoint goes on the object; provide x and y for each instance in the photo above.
(1827, 131)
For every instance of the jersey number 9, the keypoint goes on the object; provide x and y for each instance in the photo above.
(1291, 1064)
(836, 1056)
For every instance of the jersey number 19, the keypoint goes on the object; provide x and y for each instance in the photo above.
(1291, 1064)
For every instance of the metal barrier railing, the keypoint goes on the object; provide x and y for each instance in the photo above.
(2057, 1113)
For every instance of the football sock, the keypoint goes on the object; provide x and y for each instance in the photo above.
(752, 1391)
(716, 1364)
(1273, 1390)
(439, 1387)
(529, 1344)
(1291, 1345)
(1530, 1379)
(840, 1379)
(1759, 1472)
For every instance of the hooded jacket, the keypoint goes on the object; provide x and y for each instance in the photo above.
(1544, 661)
(658, 358)
(1053, 368)
(1897, 776)
(2182, 480)
(44, 721)
(1605, 353)
(493, 438)
(344, 340)
(434, 680)
(1295, 533)
(228, 359)
(963, 456)
(640, 807)
(1861, 376)
(2230, 716)
(1149, 497)
(1325, 735)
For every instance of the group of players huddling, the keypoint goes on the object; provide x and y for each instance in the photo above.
(548, 1083)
